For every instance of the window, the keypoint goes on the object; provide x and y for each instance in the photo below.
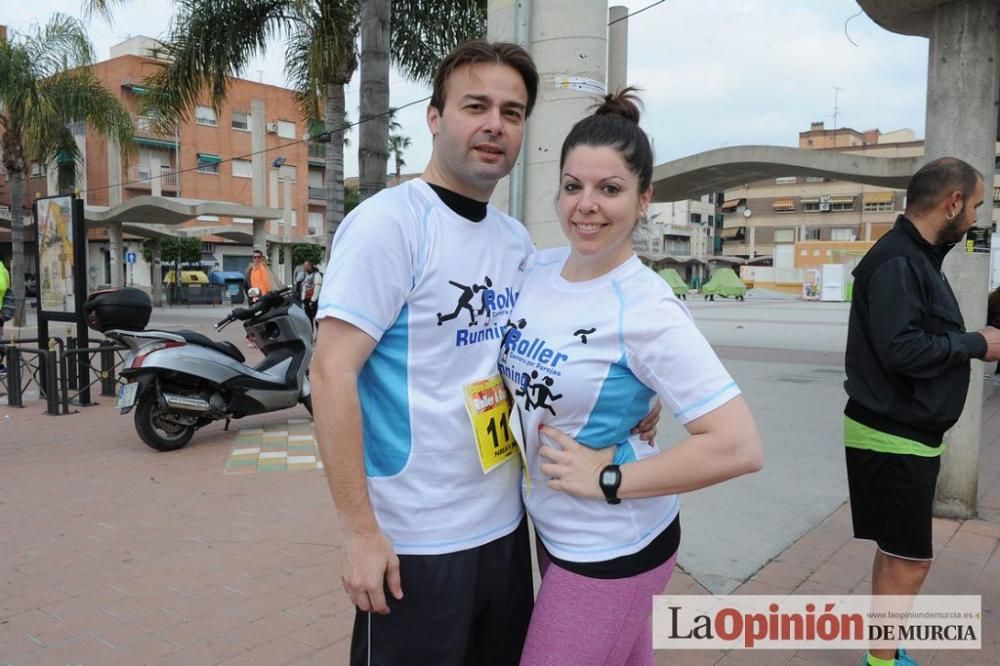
(286, 129)
(315, 223)
(37, 170)
(242, 220)
(241, 120)
(695, 218)
(208, 163)
(785, 180)
(784, 235)
(286, 172)
(205, 115)
(841, 202)
(810, 205)
(208, 218)
(812, 234)
(814, 179)
(880, 207)
(843, 235)
(242, 169)
(711, 220)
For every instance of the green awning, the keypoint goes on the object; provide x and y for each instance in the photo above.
(209, 159)
(155, 143)
(136, 89)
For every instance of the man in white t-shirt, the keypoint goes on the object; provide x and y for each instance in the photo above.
(421, 279)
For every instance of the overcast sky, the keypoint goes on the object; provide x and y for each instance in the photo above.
(715, 72)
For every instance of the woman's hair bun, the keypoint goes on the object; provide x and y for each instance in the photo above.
(624, 103)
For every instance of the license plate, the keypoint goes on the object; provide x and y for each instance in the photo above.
(126, 395)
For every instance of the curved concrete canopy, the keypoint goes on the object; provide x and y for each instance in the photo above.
(722, 168)
(169, 210)
(907, 17)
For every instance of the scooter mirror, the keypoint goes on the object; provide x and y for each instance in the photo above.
(253, 292)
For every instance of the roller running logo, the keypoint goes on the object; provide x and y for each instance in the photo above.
(482, 305)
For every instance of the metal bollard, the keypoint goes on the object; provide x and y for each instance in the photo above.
(108, 379)
(64, 382)
(71, 378)
(51, 381)
(14, 377)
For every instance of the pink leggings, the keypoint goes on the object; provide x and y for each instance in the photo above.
(580, 620)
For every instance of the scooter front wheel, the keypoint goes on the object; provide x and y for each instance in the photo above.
(156, 431)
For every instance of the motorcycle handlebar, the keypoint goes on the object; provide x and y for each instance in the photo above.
(266, 302)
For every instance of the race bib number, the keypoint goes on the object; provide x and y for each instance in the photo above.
(489, 405)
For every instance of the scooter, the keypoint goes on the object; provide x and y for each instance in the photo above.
(180, 381)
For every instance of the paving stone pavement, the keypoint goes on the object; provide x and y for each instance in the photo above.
(112, 553)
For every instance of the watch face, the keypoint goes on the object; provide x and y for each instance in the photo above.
(608, 477)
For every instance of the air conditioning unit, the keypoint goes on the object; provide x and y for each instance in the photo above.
(824, 207)
(272, 128)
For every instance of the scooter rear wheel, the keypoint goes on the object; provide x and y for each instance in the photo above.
(154, 430)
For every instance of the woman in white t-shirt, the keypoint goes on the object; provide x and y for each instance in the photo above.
(597, 339)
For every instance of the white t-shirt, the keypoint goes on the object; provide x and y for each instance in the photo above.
(434, 289)
(590, 358)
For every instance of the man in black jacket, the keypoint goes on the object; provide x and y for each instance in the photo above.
(907, 376)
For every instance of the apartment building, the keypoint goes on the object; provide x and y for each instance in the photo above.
(207, 157)
(766, 218)
(679, 234)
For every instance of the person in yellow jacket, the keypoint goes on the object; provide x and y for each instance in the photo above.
(6, 308)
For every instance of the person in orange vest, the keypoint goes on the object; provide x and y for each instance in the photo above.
(258, 275)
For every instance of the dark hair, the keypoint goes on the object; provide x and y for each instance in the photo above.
(481, 51)
(615, 123)
(937, 179)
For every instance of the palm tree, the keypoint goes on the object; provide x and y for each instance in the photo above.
(45, 84)
(372, 155)
(397, 144)
(320, 58)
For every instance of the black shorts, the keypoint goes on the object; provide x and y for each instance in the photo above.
(469, 607)
(892, 496)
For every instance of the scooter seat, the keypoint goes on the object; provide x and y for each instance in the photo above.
(226, 347)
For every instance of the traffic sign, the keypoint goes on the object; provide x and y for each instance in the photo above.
(130, 257)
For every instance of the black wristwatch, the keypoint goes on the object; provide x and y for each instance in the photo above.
(609, 479)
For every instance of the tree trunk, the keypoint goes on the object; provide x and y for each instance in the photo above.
(17, 268)
(334, 175)
(373, 155)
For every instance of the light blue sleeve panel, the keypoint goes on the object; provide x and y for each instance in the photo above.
(666, 351)
(372, 265)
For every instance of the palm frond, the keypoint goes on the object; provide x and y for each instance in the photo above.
(58, 45)
(209, 42)
(423, 31)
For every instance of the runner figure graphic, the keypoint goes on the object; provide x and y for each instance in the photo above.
(542, 391)
(465, 301)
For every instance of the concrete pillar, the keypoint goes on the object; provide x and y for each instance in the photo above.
(617, 48)
(868, 231)
(115, 246)
(156, 277)
(259, 233)
(258, 160)
(962, 95)
(751, 239)
(571, 58)
(156, 183)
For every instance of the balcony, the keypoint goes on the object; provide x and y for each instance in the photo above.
(317, 195)
(141, 178)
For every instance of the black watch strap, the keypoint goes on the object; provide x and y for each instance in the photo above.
(610, 479)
